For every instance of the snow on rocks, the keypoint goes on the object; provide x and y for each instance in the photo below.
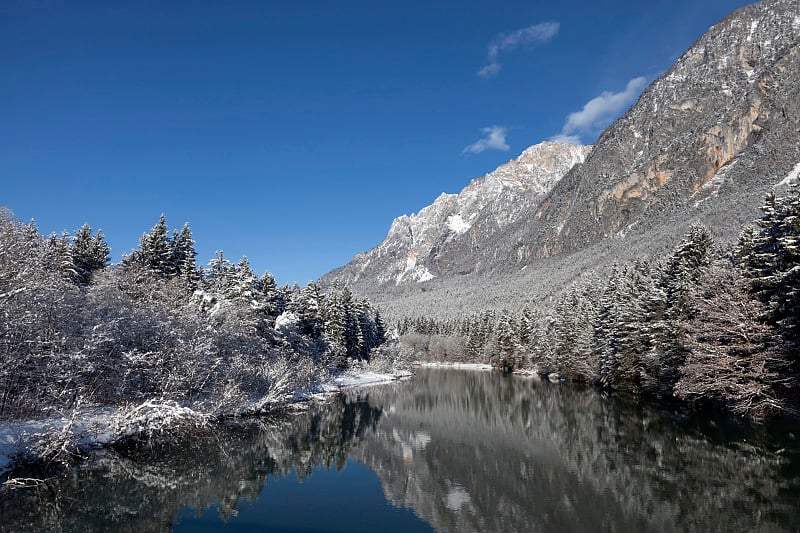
(347, 380)
(457, 224)
(791, 177)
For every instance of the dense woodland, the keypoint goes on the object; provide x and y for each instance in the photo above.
(220, 339)
(708, 324)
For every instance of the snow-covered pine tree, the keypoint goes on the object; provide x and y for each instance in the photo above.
(219, 276)
(155, 249)
(607, 329)
(183, 256)
(368, 328)
(505, 345)
(380, 328)
(88, 253)
(678, 276)
(308, 308)
(475, 337)
(774, 264)
(62, 254)
(575, 351)
(353, 336)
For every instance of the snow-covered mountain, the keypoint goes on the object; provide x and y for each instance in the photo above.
(705, 143)
(425, 245)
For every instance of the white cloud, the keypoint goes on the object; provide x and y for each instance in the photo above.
(489, 70)
(599, 112)
(495, 140)
(505, 42)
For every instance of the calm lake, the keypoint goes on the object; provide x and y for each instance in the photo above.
(450, 450)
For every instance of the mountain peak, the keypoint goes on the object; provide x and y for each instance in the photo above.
(422, 246)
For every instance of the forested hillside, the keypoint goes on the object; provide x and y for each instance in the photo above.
(708, 323)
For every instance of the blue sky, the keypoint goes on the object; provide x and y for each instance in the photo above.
(294, 132)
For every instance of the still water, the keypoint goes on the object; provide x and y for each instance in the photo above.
(449, 450)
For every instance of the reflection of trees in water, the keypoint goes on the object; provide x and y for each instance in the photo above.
(143, 489)
(468, 451)
(482, 452)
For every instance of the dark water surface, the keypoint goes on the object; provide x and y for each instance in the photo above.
(448, 451)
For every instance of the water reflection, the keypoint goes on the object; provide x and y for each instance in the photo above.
(465, 451)
(144, 489)
(482, 452)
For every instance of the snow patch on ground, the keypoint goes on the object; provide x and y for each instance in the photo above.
(621, 234)
(348, 380)
(93, 428)
(424, 275)
(418, 273)
(457, 224)
(753, 27)
(465, 366)
(791, 177)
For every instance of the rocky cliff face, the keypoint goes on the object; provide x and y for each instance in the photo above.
(722, 121)
(704, 144)
(445, 238)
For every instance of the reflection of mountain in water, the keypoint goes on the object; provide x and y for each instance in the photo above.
(482, 452)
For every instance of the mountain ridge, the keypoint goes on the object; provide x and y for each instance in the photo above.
(416, 247)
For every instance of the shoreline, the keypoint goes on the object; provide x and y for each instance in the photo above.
(65, 438)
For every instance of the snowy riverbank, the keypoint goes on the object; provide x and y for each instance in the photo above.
(61, 437)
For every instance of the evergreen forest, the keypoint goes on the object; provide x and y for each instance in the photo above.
(711, 324)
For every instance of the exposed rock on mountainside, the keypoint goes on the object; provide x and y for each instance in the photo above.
(722, 122)
(704, 144)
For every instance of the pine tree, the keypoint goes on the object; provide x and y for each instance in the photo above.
(607, 330)
(274, 299)
(353, 336)
(367, 326)
(88, 253)
(245, 301)
(475, 338)
(219, 276)
(308, 308)
(573, 331)
(183, 256)
(243, 281)
(677, 279)
(505, 355)
(774, 264)
(380, 329)
(62, 254)
(155, 249)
